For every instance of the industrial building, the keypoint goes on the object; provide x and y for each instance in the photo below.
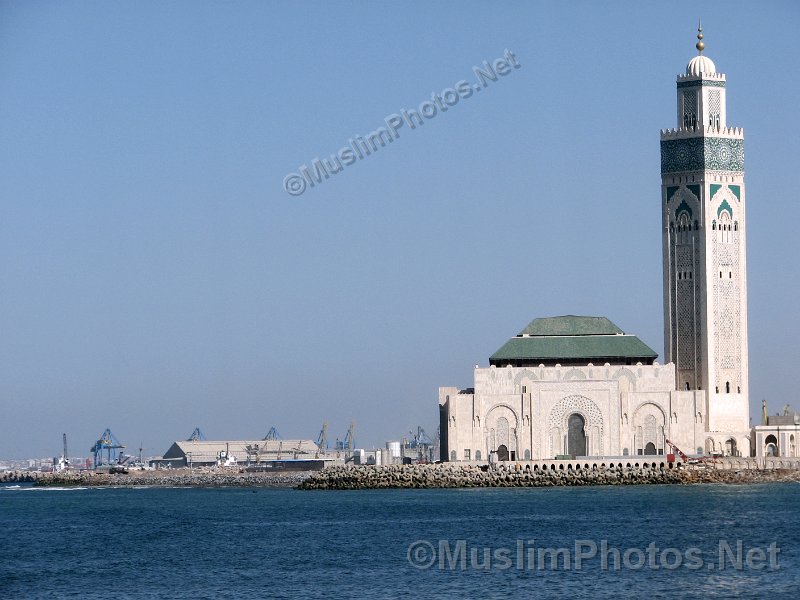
(266, 454)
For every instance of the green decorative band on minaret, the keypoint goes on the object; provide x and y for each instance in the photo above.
(699, 82)
(702, 154)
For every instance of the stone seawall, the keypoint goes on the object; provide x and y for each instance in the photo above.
(462, 476)
(445, 475)
(164, 478)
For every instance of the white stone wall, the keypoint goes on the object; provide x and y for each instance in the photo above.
(526, 409)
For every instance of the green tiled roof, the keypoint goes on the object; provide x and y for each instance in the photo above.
(571, 325)
(574, 347)
(572, 338)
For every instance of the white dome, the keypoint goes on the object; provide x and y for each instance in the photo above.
(699, 65)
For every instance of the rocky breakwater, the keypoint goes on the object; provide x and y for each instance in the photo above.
(163, 478)
(461, 476)
(19, 476)
(514, 475)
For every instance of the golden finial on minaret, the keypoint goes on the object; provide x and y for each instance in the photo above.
(699, 45)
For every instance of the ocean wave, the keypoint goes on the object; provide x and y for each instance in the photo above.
(52, 489)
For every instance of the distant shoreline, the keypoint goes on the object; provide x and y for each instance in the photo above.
(160, 478)
(445, 475)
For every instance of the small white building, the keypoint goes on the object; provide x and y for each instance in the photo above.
(778, 435)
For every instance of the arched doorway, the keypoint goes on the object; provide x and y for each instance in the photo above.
(576, 436)
(730, 447)
(649, 421)
(502, 452)
(771, 446)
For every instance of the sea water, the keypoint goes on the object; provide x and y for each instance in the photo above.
(696, 541)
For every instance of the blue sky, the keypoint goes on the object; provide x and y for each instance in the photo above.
(156, 276)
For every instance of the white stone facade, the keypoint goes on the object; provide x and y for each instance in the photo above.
(624, 409)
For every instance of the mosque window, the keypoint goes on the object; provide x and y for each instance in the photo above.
(477, 454)
(724, 227)
(690, 109)
(714, 119)
(714, 225)
(466, 454)
(687, 386)
(453, 456)
(727, 387)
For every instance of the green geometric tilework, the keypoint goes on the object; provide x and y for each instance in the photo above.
(702, 153)
(714, 188)
(671, 191)
(683, 207)
(695, 189)
(723, 207)
(736, 191)
(682, 155)
(707, 82)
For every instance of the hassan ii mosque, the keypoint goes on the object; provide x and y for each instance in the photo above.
(580, 386)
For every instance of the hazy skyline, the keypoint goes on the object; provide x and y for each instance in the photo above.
(157, 277)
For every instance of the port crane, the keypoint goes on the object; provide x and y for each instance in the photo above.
(349, 438)
(109, 445)
(421, 444)
(197, 436)
(272, 434)
(322, 439)
(253, 453)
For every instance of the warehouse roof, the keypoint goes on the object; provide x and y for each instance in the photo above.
(208, 451)
(572, 340)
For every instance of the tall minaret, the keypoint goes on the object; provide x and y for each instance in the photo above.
(704, 225)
